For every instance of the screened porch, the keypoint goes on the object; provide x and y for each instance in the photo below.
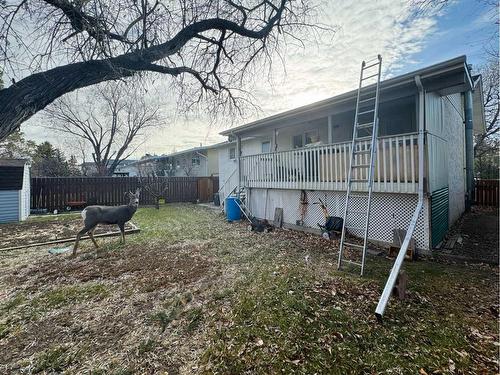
(314, 154)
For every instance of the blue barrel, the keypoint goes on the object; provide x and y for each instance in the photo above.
(232, 210)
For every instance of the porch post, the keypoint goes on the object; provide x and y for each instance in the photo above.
(238, 166)
(469, 149)
(330, 130)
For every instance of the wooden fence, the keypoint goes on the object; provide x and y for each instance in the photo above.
(53, 193)
(486, 192)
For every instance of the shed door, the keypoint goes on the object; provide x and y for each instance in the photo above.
(439, 215)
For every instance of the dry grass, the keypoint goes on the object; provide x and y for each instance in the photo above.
(193, 294)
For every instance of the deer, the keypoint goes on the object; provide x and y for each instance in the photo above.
(94, 215)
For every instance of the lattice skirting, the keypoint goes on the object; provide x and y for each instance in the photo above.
(389, 211)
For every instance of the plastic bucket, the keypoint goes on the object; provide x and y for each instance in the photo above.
(233, 212)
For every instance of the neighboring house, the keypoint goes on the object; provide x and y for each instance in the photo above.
(14, 190)
(200, 161)
(126, 168)
(89, 168)
(291, 159)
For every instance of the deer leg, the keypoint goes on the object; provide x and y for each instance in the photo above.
(80, 233)
(122, 231)
(91, 235)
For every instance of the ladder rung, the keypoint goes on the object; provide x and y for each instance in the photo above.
(362, 151)
(353, 245)
(364, 125)
(373, 75)
(353, 195)
(369, 111)
(357, 212)
(351, 262)
(367, 100)
(359, 139)
(355, 228)
(360, 166)
(369, 66)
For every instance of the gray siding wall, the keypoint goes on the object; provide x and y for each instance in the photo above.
(454, 128)
(9, 206)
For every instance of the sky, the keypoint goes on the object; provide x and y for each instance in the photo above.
(364, 28)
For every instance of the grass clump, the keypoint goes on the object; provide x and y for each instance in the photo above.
(12, 303)
(146, 346)
(194, 318)
(164, 318)
(55, 359)
(70, 294)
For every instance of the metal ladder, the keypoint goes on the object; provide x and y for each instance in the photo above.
(360, 172)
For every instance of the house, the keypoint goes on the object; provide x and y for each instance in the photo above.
(14, 190)
(126, 168)
(292, 159)
(89, 168)
(199, 161)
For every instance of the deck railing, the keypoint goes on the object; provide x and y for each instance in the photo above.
(326, 167)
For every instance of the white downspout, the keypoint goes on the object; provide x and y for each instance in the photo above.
(391, 281)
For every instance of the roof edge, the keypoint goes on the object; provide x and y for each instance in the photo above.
(429, 71)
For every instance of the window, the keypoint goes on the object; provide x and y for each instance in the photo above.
(297, 141)
(311, 137)
(232, 153)
(195, 160)
(266, 147)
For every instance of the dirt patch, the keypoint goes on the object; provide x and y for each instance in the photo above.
(148, 268)
(118, 303)
(477, 237)
(27, 233)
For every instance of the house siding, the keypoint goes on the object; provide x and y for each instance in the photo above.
(9, 206)
(436, 142)
(455, 135)
(213, 162)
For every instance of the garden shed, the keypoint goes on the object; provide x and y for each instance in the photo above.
(14, 190)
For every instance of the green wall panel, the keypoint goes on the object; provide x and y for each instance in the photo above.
(439, 215)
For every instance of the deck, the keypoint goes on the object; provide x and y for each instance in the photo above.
(326, 167)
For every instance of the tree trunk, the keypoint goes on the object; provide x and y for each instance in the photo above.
(23, 99)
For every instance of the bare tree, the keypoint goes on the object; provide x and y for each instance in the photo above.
(187, 168)
(156, 186)
(487, 144)
(490, 75)
(207, 47)
(110, 121)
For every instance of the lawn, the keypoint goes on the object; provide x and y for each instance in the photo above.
(193, 294)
